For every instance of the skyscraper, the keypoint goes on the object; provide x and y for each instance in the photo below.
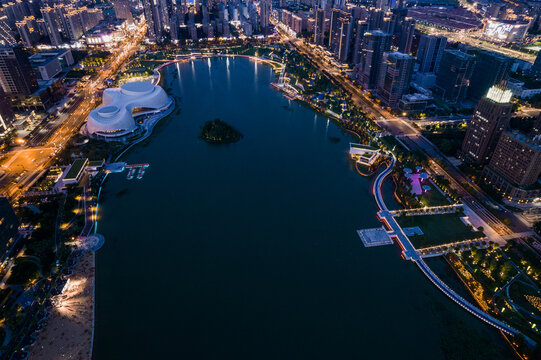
(51, 22)
(319, 30)
(16, 75)
(490, 118)
(430, 52)
(407, 30)
(264, 15)
(343, 51)
(152, 17)
(375, 43)
(360, 29)
(334, 29)
(395, 77)
(493, 68)
(454, 74)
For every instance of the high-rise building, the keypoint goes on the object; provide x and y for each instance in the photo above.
(264, 15)
(395, 77)
(122, 9)
(360, 29)
(334, 29)
(52, 25)
(407, 30)
(517, 158)
(430, 51)
(490, 69)
(74, 25)
(375, 19)
(153, 19)
(28, 30)
(16, 75)
(344, 46)
(319, 30)
(490, 118)
(454, 74)
(375, 44)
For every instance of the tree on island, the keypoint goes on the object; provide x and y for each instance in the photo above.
(219, 132)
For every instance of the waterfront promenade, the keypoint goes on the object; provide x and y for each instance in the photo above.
(410, 253)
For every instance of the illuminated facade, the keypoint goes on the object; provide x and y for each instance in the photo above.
(115, 118)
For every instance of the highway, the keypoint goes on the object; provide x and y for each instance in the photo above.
(23, 165)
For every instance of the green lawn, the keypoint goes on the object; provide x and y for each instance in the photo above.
(438, 229)
(433, 197)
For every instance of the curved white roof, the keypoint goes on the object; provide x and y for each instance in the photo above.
(115, 117)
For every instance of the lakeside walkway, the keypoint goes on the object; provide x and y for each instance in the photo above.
(410, 253)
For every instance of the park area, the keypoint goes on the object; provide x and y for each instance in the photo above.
(438, 229)
(494, 277)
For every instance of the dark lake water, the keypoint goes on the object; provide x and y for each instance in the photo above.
(249, 250)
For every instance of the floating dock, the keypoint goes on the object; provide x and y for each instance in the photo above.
(375, 237)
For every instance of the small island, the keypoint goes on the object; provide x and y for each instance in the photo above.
(219, 132)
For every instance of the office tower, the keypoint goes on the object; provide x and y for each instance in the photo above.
(122, 9)
(490, 118)
(517, 158)
(430, 52)
(490, 69)
(51, 23)
(319, 30)
(16, 75)
(454, 74)
(343, 51)
(407, 30)
(152, 17)
(395, 77)
(264, 15)
(360, 29)
(374, 45)
(334, 29)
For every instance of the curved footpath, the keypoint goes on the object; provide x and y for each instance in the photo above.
(410, 253)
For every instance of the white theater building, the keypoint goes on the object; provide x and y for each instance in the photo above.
(124, 108)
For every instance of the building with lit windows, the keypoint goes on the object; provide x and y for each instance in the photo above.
(490, 118)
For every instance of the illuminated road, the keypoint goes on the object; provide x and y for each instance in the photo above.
(20, 167)
(472, 39)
